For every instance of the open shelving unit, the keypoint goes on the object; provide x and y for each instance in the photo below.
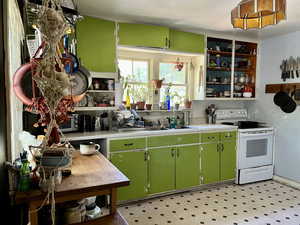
(230, 69)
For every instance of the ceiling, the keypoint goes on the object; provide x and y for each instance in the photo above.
(211, 16)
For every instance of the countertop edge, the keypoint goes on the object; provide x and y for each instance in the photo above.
(112, 135)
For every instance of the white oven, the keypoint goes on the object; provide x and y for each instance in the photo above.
(255, 154)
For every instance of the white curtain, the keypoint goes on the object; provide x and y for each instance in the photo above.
(14, 36)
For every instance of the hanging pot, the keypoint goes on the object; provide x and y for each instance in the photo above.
(21, 87)
(281, 98)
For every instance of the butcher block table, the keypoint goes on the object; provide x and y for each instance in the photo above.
(91, 176)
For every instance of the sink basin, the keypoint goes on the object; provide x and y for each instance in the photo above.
(131, 129)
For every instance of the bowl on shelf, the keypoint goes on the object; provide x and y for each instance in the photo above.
(247, 94)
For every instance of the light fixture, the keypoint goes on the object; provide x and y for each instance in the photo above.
(251, 14)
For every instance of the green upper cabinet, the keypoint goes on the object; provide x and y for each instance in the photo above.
(96, 46)
(142, 35)
(186, 42)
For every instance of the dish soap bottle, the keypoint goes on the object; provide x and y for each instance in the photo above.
(24, 182)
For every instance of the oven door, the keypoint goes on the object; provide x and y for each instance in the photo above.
(255, 149)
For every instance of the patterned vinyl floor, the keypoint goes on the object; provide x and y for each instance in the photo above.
(264, 203)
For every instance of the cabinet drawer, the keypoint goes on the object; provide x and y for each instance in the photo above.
(187, 139)
(210, 137)
(159, 141)
(127, 144)
(228, 136)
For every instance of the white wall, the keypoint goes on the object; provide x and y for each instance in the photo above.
(287, 143)
(13, 39)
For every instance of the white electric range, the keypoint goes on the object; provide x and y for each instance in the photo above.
(254, 147)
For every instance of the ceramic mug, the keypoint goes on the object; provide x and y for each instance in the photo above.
(89, 148)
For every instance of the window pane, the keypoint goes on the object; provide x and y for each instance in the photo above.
(140, 71)
(170, 74)
(134, 71)
(178, 94)
(125, 67)
(136, 92)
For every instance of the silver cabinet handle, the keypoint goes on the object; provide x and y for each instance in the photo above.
(178, 152)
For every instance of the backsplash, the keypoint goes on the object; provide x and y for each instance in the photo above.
(198, 108)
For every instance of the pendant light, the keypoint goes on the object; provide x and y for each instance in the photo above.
(251, 14)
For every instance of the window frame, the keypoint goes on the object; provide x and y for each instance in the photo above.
(154, 59)
(147, 84)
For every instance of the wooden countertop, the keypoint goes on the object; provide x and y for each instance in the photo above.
(89, 173)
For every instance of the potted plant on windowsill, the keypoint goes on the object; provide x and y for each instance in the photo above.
(140, 94)
(188, 104)
(178, 99)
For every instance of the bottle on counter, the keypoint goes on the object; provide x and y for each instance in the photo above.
(24, 182)
(168, 99)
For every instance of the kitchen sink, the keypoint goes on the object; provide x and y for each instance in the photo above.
(132, 129)
(147, 129)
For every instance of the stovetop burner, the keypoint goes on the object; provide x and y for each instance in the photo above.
(245, 124)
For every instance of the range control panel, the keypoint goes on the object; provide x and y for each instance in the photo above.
(231, 114)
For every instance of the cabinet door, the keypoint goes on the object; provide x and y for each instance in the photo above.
(160, 141)
(186, 41)
(210, 163)
(143, 35)
(228, 161)
(96, 46)
(134, 166)
(162, 169)
(187, 166)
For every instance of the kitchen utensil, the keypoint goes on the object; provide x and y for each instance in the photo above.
(291, 67)
(89, 148)
(289, 107)
(79, 83)
(298, 67)
(295, 68)
(282, 67)
(281, 98)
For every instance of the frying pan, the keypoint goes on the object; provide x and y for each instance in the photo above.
(281, 98)
(21, 89)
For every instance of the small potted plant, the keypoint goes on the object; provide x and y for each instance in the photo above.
(187, 104)
(178, 99)
(140, 94)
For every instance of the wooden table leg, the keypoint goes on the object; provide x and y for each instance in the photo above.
(113, 201)
(33, 214)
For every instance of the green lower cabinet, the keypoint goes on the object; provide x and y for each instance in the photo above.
(134, 166)
(210, 163)
(187, 167)
(162, 170)
(228, 161)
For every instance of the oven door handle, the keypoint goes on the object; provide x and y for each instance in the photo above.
(257, 134)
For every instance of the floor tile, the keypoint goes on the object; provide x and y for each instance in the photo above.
(262, 203)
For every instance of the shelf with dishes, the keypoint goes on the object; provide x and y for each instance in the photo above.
(99, 96)
(231, 69)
